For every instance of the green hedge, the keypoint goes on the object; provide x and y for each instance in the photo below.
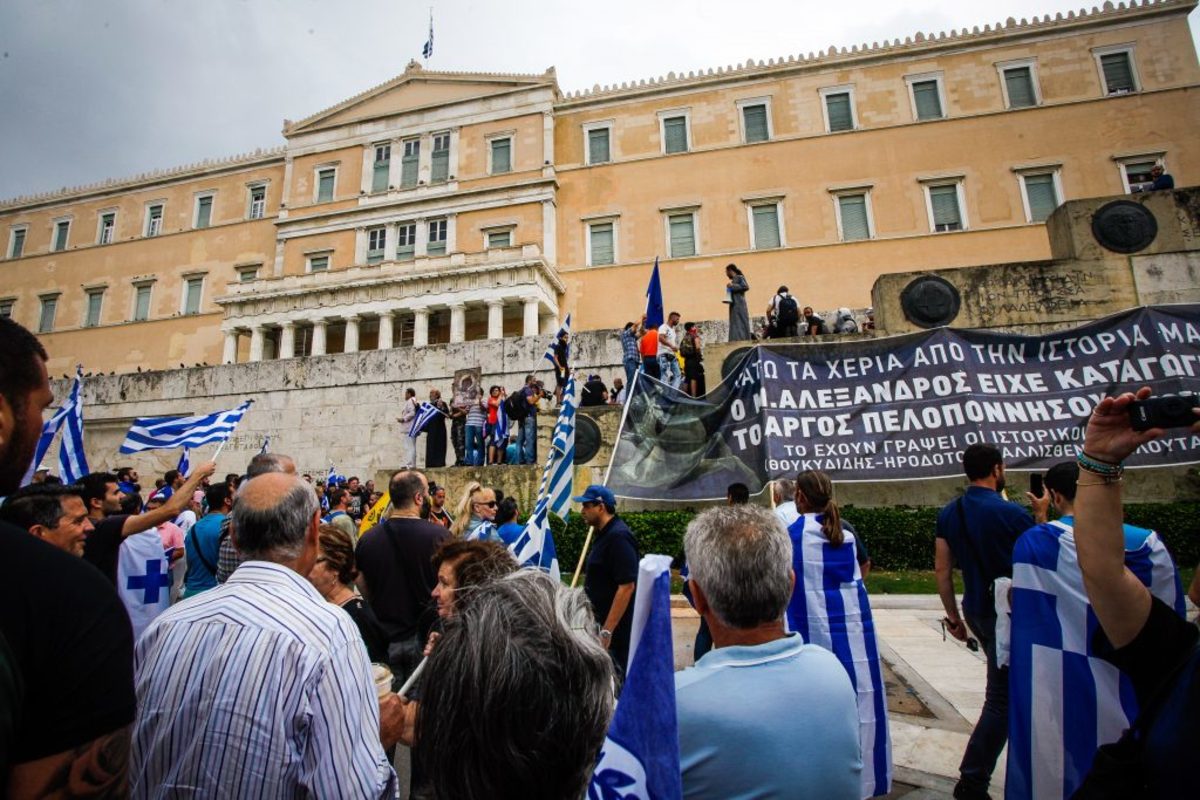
(898, 538)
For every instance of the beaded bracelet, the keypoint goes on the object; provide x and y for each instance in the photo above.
(1105, 469)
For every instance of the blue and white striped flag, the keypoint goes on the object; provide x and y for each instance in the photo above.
(500, 435)
(1064, 701)
(427, 50)
(535, 545)
(72, 462)
(166, 433)
(266, 446)
(566, 328)
(425, 412)
(829, 607)
(184, 467)
(640, 756)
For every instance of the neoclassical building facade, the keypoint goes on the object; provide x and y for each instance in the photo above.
(445, 207)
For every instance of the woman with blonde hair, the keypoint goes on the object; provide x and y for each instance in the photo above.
(829, 607)
(476, 512)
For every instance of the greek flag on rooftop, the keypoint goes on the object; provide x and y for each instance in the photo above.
(72, 463)
(165, 433)
(535, 545)
(425, 412)
(566, 328)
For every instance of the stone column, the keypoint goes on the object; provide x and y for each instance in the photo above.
(420, 327)
(531, 316)
(385, 330)
(458, 322)
(256, 343)
(495, 319)
(318, 340)
(231, 347)
(351, 334)
(287, 340)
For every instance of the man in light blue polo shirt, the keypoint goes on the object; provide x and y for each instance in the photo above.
(762, 714)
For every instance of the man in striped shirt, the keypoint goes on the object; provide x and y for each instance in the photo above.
(259, 687)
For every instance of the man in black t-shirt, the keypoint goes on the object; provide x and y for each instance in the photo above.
(360, 500)
(611, 571)
(69, 696)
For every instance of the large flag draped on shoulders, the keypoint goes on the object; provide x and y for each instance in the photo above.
(640, 756)
(654, 300)
(72, 462)
(166, 433)
(143, 578)
(500, 434)
(565, 328)
(425, 412)
(1064, 701)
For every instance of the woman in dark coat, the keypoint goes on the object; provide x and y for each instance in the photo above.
(739, 314)
(435, 432)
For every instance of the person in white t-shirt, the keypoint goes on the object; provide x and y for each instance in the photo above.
(784, 492)
(187, 518)
(668, 348)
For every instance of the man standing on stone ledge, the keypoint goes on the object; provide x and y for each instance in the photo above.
(527, 437)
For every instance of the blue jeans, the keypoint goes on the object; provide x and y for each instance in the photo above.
(668, 366)
(991, 731)
(527, 439)
(476, 454)
(632, 365)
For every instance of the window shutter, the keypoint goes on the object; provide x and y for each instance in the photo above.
(675, 134)
(1118, 75)
(946, 215)
(18, 245)
(499, 239)
(318, 264)
(683, 235)
(1019, 83)
(1039, 191)
(410, 162)
(46, 320)
(602, 244)
(406, 241)
(853, 209)
(440, 164)
(379, 178)
(93, 308)
(501, 155)
(766, 226)
(838, 107)
(204, 212)
(325, 187)
(192, 303)
(755, 120)
(598, 150)
(925, 97)
(141, 309)
(60, 235)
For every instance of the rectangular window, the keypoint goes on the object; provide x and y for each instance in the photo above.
(1041, 195)
(501, 150)
(6, 308)
(1137, 175)
(318, 263)
(927, 99)
(437, 237)
(766, 226)
(599, 148)
(754, 123)
(46, 318)
(376, 244)
(601, 236)
(154, 219)
(406, 241)
(838, 112)
(325, 180)
(193, 289)
(141, 302)
(383, 164)
(853, 222)
(1018, 86)
(247, 274)
(675, 134)
(17, 246)
(62, 231)
(439, 168)
(499, 239)
(108, 225)
(943, 204)
(682, 230)
(1118, 73)
(95, 302)
(258, 202)
(204, 211)
(410, 163)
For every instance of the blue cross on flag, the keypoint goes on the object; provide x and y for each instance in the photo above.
(143, 578)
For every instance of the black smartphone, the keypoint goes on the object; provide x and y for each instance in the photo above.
(1035, 484)
(1167, 411)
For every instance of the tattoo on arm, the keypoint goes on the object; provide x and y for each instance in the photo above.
(95, 769)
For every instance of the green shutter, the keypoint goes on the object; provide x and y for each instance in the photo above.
(318, 264)
(598, 150)
(325, 186)
(755, 120)
(838, 108)
(675, 134)
(1118, 74)
(766, 226)
(946, 214)
(192, 301)
(436, 245)
(379, 178)
(376, 244)
(1039, 190)
(1019, 83)
(499, 239)
(60, 235)
(204, 212)
(406, 242)
(95, 299)
(46, 320)
(853, 208)
(683, 235)
(501, 156)
(926, 99)
(602, 244)
(409, 163)
(141, 309)
(18, 245)
(440, 164)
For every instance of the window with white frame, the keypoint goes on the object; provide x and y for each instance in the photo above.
(376, 244)
(925, 93)
(6, 307)
(141, 301)
(48, 311)
(16, 241)
(681, 234)
(258, 202)
(756, 120)
(1118, 74)
(406, 241)
(498, 237)
(1041, 192)
(106, 227)
(601, 243)
(193, 291)
(203, 214)
(436, 244)
(598, 144)
(318, 262)
(673, 129)
(1018, 82)
(944, 201)
(154, 219)
(248, 273)
(1135, 172)
(381, 167)
(499, 154)
(439, 165)
(853, 211)
(766, 230)
(410, 163)
(62, 234)
(95, 304)
(837, 102)
(326, 182)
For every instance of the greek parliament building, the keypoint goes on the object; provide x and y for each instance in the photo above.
(447, 207)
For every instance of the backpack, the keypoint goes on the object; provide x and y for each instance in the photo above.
(515, 407)
(789, 311)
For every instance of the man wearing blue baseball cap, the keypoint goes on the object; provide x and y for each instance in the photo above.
(611, 571)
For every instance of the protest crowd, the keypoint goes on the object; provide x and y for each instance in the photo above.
(266, 634)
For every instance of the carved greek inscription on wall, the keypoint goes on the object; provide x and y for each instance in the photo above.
(1033, 296)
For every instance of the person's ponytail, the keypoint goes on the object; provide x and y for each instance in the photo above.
(818, 491)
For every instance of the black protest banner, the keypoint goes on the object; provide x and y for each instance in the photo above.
(905, 407)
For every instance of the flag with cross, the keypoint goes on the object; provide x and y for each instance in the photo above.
(144, 578)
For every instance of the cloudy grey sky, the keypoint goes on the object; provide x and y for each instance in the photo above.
(93, 89)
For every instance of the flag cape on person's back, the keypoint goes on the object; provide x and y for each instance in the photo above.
(640, 756)
(500, 435)
(829, 607)
(1064, 702)
(143, 578)
(425, 412)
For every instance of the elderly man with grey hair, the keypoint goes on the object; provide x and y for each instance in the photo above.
(259, 687)
(228, 557)
(762, 714)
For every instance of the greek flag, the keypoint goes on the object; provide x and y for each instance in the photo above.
(640, 756)
(500, 435)
(1065, 702)
(425, 412)
(184, 467)
(566, 328)
(266, 447)
(427, 50)
(829, 607)
(72, 462)
(143, 578)
(535, 545)
(165, 433)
